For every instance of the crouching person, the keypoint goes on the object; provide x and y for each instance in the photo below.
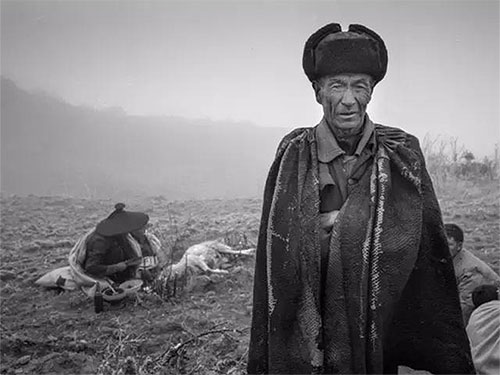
(484, 330)
(109, 251)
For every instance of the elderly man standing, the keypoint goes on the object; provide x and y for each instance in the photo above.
(353, 272)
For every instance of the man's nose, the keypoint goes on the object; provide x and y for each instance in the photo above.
(348, 98)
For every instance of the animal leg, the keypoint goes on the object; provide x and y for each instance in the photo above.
(224, 249)
(205, 268)
(250, 251)
(218, 271)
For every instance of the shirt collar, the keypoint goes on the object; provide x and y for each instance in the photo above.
(329, 149)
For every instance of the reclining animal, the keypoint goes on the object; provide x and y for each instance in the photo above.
(203, 257)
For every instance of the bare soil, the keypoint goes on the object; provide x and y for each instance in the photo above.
(202, 327)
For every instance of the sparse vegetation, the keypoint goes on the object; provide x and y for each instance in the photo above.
(196, 325)
(193, 325)
(449, 163)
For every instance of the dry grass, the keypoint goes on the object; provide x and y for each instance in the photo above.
(195, 326)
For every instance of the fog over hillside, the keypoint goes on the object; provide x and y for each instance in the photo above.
(49, 147)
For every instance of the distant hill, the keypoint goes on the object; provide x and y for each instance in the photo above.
(49, 147)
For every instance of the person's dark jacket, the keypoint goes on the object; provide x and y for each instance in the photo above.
(103, 252)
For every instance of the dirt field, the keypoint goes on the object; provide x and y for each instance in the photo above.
(204, 328)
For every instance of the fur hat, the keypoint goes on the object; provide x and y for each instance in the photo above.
(331, 51)
(121, 222)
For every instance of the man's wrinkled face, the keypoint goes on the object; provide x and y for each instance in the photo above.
(454, 246)
(344, 98)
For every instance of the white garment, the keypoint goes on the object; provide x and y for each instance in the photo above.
(484, 336)
(471, 272)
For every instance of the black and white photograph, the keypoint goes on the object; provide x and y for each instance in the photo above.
(249, 187)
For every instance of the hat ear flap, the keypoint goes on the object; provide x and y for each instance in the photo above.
(360, 29)
(308, 59)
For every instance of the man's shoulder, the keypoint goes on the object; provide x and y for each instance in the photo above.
(294, 136)
(468, 258)
(297, 132)
(393, 133)
(473, 264)
(392, 136)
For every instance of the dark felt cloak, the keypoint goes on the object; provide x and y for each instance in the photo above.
(390, 296)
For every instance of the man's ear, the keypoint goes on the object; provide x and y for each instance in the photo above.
(317, 91)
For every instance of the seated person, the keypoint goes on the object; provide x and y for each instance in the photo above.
(484, 330)
(470, 271)
(109, 252)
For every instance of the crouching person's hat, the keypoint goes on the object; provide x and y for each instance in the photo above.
(121, 222)
(331, 51)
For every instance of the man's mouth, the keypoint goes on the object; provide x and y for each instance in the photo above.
(348, 114)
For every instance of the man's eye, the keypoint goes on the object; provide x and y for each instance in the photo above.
(361, 87)
(336, 86)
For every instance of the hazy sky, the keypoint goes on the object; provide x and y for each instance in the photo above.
(243, 60)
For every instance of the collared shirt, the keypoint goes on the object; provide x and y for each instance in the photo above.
(339, 172)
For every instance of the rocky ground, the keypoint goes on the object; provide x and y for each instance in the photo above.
(200, 326)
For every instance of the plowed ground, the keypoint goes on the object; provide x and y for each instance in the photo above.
(45, 331)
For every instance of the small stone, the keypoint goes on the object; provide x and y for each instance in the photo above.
(23, 360)
(64, 243)
(7, 275)
(216, 278)
(46, 244)
(238, 269)
(198, 283)
(30, 248)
